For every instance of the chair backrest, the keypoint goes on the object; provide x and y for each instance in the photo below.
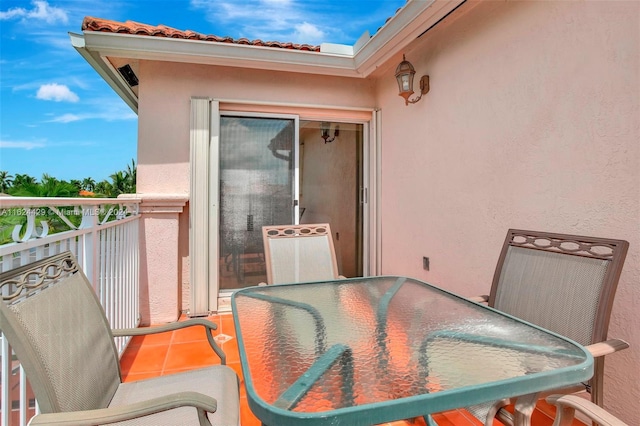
(564, 283)
(299, 253)
(58, 330)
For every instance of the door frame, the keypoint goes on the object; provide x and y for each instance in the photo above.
(222, 298)
(205, 296)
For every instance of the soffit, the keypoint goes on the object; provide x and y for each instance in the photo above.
(106, 43)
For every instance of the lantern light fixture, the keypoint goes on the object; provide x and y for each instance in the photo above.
(404, 76)
(325, 129)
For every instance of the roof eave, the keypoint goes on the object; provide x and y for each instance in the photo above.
(226, 54)
(105, 70)
(405, 26)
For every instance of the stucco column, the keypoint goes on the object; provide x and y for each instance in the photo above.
(159, 259)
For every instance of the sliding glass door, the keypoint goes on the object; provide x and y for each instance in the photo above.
(258, 187)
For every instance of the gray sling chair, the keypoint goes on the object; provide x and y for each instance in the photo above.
(299, 253)
(564, 283)
(59, 332)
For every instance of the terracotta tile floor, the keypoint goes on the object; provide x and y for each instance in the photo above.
(171, 352)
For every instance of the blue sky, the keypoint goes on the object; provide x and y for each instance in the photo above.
(57, 116)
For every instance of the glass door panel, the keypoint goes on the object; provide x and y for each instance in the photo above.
(257, 188)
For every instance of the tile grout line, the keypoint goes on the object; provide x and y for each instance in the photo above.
(166, 355)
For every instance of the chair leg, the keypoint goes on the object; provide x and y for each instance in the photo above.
(497, 411)
(428, 419)
(524, 409)
(564, 416)
(597, 381)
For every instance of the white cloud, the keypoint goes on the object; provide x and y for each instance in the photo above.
(66, 118)
(278, 20)
(41, 11)
(56, 92)
(110, 115)
(307, 31)
(21, 144)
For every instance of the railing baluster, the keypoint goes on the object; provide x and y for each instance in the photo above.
(24, 401)
(5, 406)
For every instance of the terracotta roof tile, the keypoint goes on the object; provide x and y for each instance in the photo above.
(135, 28)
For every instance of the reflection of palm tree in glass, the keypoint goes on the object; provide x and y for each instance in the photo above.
(255, 185)
(283, 141)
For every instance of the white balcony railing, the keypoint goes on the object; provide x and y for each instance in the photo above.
(103, 235)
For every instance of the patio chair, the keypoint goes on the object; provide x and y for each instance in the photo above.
(59, 332)
(567, 405)
(299, 253)
(564, 283)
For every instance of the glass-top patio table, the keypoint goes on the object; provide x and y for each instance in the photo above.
(365, 351)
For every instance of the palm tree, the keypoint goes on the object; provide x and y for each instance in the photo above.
(132, 170)
(104, 188)
(76, 183)
(131, 174)
(119, 183)
(89, 184)
(48, 187)
(5, 181)
(22, 179)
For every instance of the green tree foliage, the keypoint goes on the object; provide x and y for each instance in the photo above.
(88, 184)
(23, 185)
(47, 187)
(23, 179)
(5, 181)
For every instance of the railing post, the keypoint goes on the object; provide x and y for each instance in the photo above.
(159, 272)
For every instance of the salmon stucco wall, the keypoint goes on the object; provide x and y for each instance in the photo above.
(165, 93)
(532, 122)
(163, 151)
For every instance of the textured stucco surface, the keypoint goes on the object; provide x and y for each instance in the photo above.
(160, 268)
(532, 122)
(165, 93)
(163, 152)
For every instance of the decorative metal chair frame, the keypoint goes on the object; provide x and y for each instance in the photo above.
(602, 260)
(567, 405)
(314, 245)
(57, 328)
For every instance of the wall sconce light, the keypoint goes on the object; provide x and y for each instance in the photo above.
(325, 128)
(404, 75)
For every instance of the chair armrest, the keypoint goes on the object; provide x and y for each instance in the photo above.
(607, 347)
(479, 299)
(208, 326)
(141, 331)
(567, 404)
(202, 403)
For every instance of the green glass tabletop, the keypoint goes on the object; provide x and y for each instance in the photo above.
(364, 351)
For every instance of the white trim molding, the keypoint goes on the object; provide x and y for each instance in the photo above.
(200, 133)
(369, 53)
